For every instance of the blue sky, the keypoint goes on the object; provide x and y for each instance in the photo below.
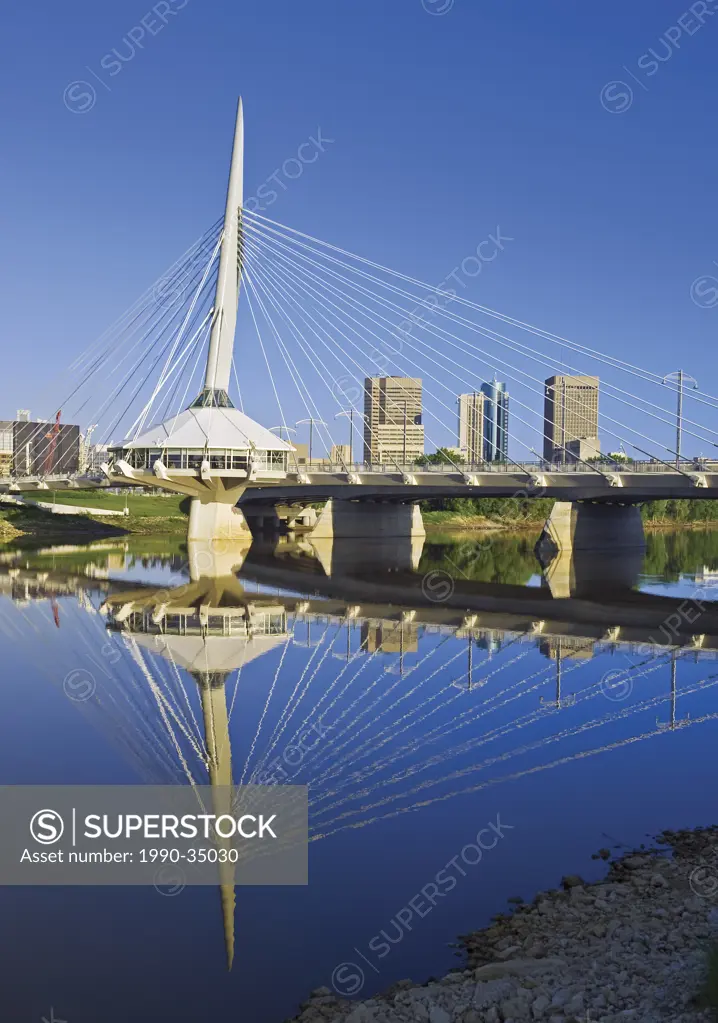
(444, 127)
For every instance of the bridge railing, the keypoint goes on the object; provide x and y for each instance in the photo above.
(510, 468)
(442, 469)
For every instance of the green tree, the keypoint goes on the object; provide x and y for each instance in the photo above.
(612, 458)
(442, 456)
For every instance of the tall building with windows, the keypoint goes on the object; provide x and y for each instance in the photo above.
(393, 429)
(484, 423)
(496, 421)
(571, 418)
(471, 426)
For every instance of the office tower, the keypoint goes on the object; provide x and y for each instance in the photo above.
(496, 421)
(571, 418)
(471, 426)
(393, 430)
(484, 423)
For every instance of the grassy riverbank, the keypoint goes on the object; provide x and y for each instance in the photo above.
(149, 514)
(21, 522)
(455, 522)
(466, 515)
(139, 505)
(148, 525)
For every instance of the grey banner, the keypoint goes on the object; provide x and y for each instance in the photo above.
(168, 836)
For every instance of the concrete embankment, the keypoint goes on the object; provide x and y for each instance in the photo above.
(73, 509)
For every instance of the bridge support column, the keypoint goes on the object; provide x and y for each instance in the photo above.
(359, 520)
(305, 517)
(215, 518)
(392, 537)
(580, 526)
(585, 547)
(217, 559)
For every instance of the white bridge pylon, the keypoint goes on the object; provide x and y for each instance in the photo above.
(211, 423)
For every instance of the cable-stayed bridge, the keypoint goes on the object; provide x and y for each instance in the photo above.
(167, 388)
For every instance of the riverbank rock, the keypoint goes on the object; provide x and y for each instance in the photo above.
(630, 948)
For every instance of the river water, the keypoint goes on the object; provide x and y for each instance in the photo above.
(424, 696)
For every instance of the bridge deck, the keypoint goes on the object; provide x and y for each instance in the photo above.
(643, 482)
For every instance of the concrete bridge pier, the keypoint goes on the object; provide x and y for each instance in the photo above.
(305, 517)
(213, 516)
(347, 557)
(585, 547)
(582, 526)
(392, 537)
(371, 520)
(217, 559)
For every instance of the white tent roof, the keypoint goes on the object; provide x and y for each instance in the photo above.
(212, 427)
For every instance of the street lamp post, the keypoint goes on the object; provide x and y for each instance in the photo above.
(674, 722)
(311, 420)
(281, 429)
(349, 414)
(287, 430)
(679, 378)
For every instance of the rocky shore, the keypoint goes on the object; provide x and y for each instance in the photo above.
(634, 946)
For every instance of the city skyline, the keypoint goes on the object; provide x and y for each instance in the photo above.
(562, 269)
(571, 430)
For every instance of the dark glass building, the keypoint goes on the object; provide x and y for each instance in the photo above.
(38, 449)
(496, 421)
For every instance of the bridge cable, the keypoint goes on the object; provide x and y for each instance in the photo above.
(178, 339)
(554, 338)
(398, 405)
(459, 468)
(589, 465)
(295, 374)
(306, 315)
(477, 741)
(502, 339)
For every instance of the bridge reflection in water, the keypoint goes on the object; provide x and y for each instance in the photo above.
(378, 698)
